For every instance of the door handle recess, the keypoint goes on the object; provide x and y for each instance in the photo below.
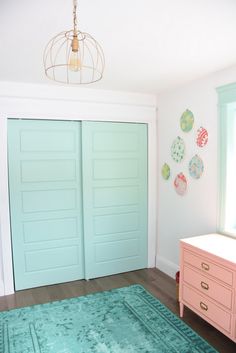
(203, 306)
(205, 266)
(204, 285)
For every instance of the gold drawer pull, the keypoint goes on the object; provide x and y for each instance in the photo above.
(203, 306)
(205, 266)
(204, 285)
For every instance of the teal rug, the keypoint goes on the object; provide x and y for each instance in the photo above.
(125, 320)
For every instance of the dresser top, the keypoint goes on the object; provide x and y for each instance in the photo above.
(216, 244)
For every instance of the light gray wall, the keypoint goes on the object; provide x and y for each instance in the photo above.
(196, 212)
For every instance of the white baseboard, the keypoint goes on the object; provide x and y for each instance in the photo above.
(2, 291)
(166, 266)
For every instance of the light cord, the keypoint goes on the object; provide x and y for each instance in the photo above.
(75, 16)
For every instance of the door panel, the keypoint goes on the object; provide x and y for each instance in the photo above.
(45, 201)
(115, 197)
(64, 170)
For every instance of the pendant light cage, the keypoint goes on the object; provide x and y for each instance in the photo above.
(74, 57)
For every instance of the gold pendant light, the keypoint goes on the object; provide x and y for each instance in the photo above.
(74, 57)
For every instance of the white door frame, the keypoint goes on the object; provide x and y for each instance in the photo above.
(23, 101)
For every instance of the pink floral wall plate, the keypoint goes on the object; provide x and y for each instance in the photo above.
(180, 184)
(202, 137)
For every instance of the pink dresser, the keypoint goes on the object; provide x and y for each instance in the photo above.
(208, 280)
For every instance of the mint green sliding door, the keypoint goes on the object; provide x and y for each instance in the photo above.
(78, 203)
(114, 197)
(45, 201)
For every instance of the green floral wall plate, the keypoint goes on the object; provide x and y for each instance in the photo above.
(178, 149)
(165, 171)
(186, 121)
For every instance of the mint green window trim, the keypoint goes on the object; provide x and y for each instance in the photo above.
(226, 152)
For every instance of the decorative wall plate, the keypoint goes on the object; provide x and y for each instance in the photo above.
(196, 167)
(165, 171)
(180, 184)
(186, 121)
(178, 149)
(202, 137)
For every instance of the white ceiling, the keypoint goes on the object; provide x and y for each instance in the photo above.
(149, 45)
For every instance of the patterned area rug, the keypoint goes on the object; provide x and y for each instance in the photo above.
(125, 320)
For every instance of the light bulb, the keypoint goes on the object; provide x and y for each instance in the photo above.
(74, 61)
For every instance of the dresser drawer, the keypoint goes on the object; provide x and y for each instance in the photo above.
(207, 309)
(208, 267)
(222, 295)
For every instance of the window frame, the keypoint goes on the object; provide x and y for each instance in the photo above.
(227, 113)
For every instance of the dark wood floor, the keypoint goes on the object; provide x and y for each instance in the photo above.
(156, 282)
